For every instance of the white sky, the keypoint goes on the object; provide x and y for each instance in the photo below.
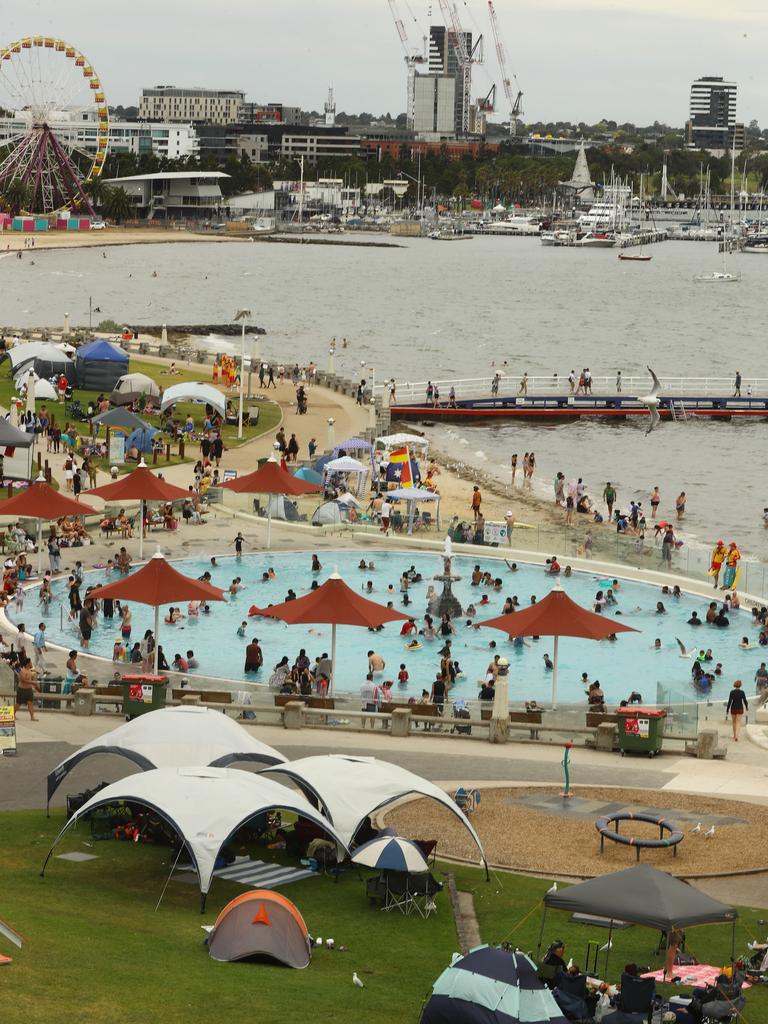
(631, 60)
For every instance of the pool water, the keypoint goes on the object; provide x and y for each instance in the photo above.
(628, 664)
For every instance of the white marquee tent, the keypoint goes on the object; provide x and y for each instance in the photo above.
(346, 464)
(205, 806)
(412, 496)
(400, 440)
(350, 788)
(193, 391)
(173, 738)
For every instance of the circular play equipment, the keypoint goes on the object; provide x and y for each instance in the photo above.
(673, 837)
(56, 134)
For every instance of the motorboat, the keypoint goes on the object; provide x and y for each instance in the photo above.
(597, 240)
(717, 277)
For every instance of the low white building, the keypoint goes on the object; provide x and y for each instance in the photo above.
(172, 141)
(175, 195)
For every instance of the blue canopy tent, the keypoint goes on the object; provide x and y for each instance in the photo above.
(142, 438)
(308, 475)
(100, 366)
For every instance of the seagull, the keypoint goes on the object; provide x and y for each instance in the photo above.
(356, 981)
(683, 652)
(552, 888)
(652, 401)
(709, 833)
(695, 831)
(607, 946)
(569, 965)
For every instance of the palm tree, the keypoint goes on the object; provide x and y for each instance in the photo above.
(17, 195)
(117, 204)
(96, 190)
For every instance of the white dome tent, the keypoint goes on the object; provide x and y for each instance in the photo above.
(172, 738)
(205, 806)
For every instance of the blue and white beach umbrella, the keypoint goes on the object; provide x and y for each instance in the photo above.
(391, 853)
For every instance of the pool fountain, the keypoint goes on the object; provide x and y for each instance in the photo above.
(446, 603)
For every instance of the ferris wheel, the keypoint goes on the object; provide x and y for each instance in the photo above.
(54, 124)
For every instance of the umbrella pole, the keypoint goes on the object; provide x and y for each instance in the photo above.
(554, 674)
(269, 524)
(541, 931)
(157, 631)
(333, 656)
(141, 531)
(39, 546)
(608, 948)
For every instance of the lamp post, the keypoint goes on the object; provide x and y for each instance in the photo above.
(242, 315)
(331, 434)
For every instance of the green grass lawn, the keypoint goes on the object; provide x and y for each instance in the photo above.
(97, 951)
(269, 412)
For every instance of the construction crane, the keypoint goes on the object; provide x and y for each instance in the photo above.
(515, 101)
(457, 38)
(412, 58)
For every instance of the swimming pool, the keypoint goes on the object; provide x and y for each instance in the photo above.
(629, 664)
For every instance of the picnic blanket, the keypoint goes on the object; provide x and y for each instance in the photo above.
(696, 975)
(255, 874)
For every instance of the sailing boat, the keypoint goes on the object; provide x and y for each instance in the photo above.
(724, 276)
(637, 257)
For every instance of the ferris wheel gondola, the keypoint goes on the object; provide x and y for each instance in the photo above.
(54, 132)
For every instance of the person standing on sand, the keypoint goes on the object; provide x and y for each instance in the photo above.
(525, 468)
(477, 500)
(559, 486)
(531, 467)
(680, 505)
(655, 501)
(513, 466)
(609, 497)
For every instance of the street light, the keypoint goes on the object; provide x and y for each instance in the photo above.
(242, 315)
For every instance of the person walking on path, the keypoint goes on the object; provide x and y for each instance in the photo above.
(618, 382)
(737, 706)
(609, 497)
(523, 389)
(737, 385)
(26, 688)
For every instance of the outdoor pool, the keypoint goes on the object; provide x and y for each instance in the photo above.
(628, 664)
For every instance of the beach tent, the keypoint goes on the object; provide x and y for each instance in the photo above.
(194, 391)
(412, 496)
(45, 359)
(309, 476)
(100, 365)
(37, 388)
(122, 419)
(172, 738)
(279, 507)
(352, 444)
(346, 465)
(348, 789)
(204, 806)
(489, 985)
(261, 923)
(138, 383)
(330, 513)
(398, 440)
(142, 438)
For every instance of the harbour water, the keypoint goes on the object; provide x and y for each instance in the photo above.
(428, 310)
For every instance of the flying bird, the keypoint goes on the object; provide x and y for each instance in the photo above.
(651, 400)
(356, 981)
(695, 831)
(683, 652)
(709, 833)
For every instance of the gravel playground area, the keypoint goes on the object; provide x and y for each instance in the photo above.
(523, 837)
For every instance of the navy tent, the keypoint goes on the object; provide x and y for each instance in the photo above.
(142, 438)
(491, 986)
(100, 366)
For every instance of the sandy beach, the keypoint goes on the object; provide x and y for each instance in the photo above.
(12, 241)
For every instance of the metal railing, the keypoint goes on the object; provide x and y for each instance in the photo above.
(558, 384)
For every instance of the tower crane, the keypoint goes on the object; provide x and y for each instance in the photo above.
(412, 58)
(465, 58)
(515, 101)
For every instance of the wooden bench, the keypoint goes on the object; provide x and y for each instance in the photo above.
(532, 718)
(595, 718)
(180, 694)
(113, 692)
(215, 696)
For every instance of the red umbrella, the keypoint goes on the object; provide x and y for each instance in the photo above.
(270, 478)
(41, 501)
(140, 484)
(557, 615)
(158, 583)
(335, 603)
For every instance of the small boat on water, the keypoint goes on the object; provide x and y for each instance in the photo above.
(597, 240)
(717, 277)
(637, 258)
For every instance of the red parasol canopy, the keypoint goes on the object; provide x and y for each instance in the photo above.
(557, 615)
(271, 479)
(41, 501)
(335, 603)
(140, 484)
(158, 583)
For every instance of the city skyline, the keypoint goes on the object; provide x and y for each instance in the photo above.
(577, 60)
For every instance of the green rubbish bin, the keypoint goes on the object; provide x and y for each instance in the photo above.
(641, 730)
(142, 693)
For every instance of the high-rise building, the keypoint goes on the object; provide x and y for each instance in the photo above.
(445, 59)
(202, 106)
(712, 114)
(434, 106)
